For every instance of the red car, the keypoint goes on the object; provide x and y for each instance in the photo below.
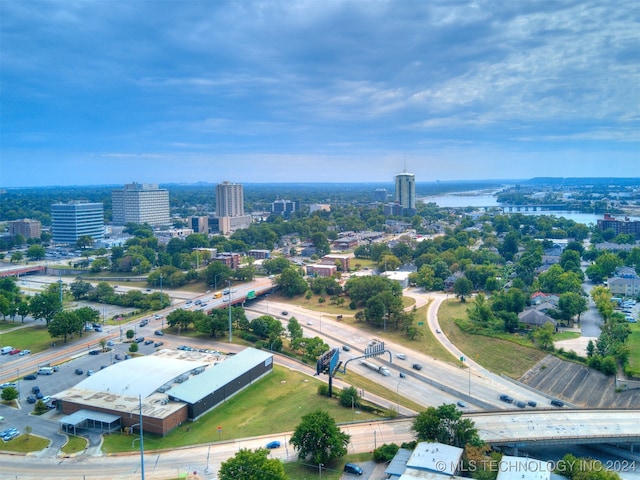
(14, 351)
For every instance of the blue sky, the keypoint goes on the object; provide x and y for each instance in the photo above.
(103, 92)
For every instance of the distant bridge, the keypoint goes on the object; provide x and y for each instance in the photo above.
(17, 271)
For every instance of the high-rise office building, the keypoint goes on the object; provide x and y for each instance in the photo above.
(230, 208)
(229, 200)
(141, 203)
(70, 221)
(406, 191)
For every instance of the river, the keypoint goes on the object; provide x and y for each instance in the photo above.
(486, 198)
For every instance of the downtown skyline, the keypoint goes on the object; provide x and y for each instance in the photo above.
(96, 92)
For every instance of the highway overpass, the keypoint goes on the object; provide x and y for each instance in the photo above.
(558, 427)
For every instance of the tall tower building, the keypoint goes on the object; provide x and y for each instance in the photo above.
(141, 203)
(406, 190)
(230, 208)
(70, 221)
(229, 200)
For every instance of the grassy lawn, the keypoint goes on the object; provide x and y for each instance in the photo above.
(74, 445)
(332, 471)
(633, 343)
(35, 338)
(25, 443)
(565, 336)
(497, 355)
(272, 405)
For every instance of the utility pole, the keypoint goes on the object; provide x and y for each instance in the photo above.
(230, 326)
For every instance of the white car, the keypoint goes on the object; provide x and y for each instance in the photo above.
(401, 356)
(25, 352)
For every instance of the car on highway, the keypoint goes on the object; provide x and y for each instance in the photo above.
(438, 330)
(461, 404)
(401, 356)
(531, 403)
(402, 375)
(274, 444)
(506, 398)
(285, 313)
(416, 366)
(346, 348)
(144, 323)
(557, 403)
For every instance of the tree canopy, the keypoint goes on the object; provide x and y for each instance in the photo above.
(318, 437)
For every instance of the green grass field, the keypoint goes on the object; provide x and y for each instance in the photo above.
(633, 342)
(497, 355)
(34, 337)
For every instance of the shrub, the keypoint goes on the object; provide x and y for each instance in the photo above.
(386, 452)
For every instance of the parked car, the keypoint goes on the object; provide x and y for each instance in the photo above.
(274, 444)
(79, 371)
(94, 352)
(110, 343)
(158, 344)
(8, 384)
(31, 376)
(531, 403)
(148, 342)
(160, 333)
(35, 389)
(119, 356)
(31, 399)
(25, 352)
(139, 340)
(46, 398)
(89, 373)
(506, 398)
(14, 351)
(416, 366)
(520, 404)
(353, 468)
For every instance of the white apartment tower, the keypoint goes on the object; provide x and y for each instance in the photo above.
(141, 203)
(229, 200)
(406, 190)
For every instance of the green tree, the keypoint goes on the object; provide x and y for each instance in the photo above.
(45, 306)
(252, 465)
(572, 304)
(9, 394)
(65, 324)
(295, 330)
(130, 334)
(318, 437)
(462, 287)
(16, 257)
(544, 336)
(36, 252)
(291, 283)
(349, 397)
(445, 424)
(214, 324)
(133, 347)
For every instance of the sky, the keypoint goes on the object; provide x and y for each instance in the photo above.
(261, 91)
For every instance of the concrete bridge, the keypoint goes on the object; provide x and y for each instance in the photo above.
(558, 427)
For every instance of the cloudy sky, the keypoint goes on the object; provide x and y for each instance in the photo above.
(109, 91)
